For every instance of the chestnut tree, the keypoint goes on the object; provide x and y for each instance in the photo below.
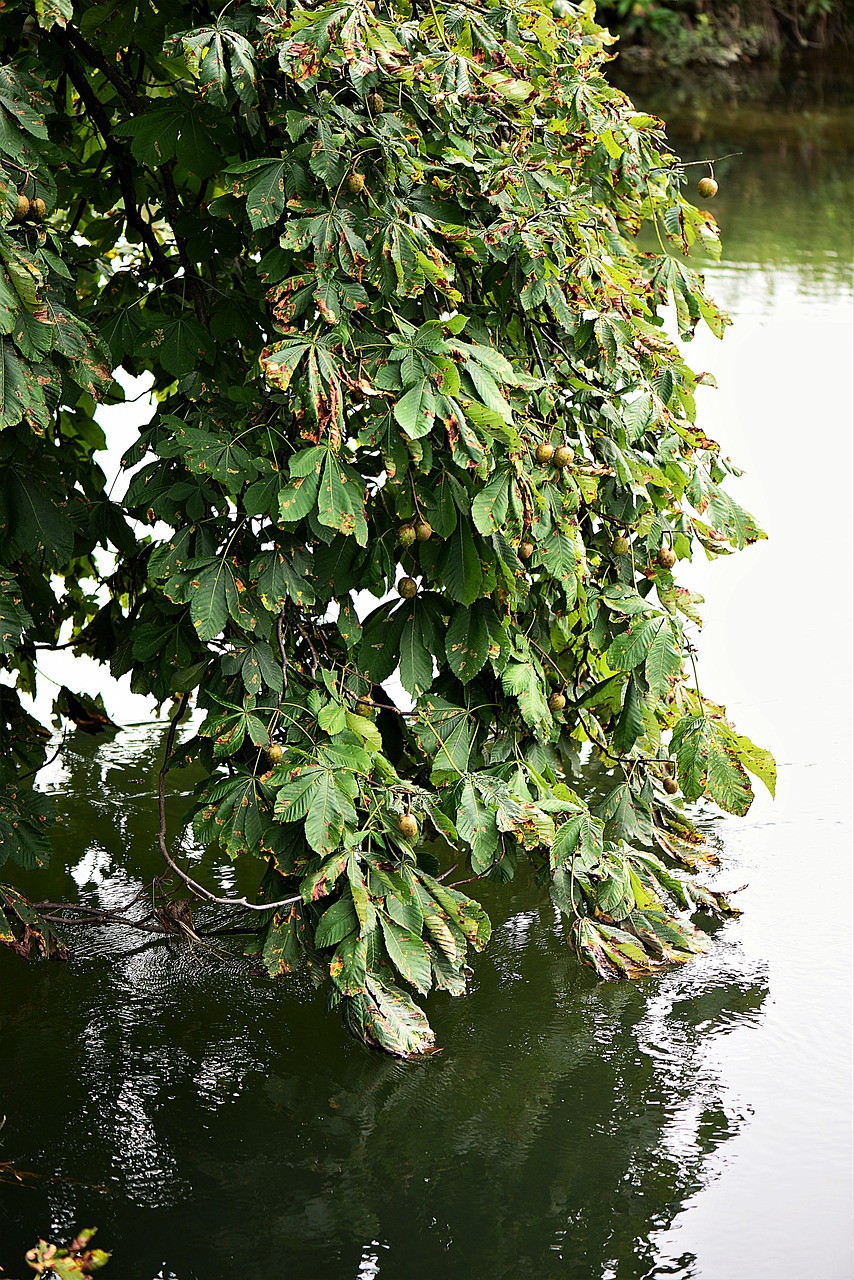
(426, 453)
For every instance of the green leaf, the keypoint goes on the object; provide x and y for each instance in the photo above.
(349, 966)
(663, 658)
(25, 820)
(408, 954)
(213, 597)
(460, 566)
(630, 723)
(341, 500)
(330, 811)
(415, 412)
(476, 824)
(467, 641)
(386, 1018)
(445, 734)
(336, 923)
(580, 838)
(14, 618)
(489, 509)
(417, 642)
(180, 344)
(379, 652)
(708, 763)
(521, 679)
(757, 760)
(651, 641)
(557, 554)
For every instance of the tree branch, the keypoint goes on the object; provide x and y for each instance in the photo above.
(199, 890)
(95, 107)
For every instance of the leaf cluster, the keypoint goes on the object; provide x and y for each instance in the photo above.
(379, 261)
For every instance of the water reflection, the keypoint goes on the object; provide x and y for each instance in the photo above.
(559, 1134)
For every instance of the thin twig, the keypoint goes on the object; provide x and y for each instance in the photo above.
(199, 890)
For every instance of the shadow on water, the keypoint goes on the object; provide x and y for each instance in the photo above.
(233, 1124)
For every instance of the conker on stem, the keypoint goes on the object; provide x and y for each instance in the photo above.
(407, 825)
(407, 587)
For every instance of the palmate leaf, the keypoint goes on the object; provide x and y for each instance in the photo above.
(283, 947)
(445, 733)
(258, 667)
(466, 913)
(229, 731)
(341, 500)
(25, 820)
(21, 395)
(266, 196)
(210, 588)
(180, 343)
(612, 952)
(630, 724)
(281, 578)
(379, 651)
(581, 840)
(758, 761)
(330, 810)
(169, 129)
(521, 679)
(708, 763)
(557, 553)
(322, 791)
(476, 824)
(216, 455)
(386, 1018)
(348, 968)
(489, 509)
(650, 641)
(237, 813)
(418, 640)
(626, 817)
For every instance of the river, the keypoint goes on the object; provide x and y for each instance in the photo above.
(694, 1125)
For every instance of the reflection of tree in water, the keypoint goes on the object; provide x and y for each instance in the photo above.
(564, 1126)
(552, 1141)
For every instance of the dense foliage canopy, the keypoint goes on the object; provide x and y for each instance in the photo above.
(420, 431)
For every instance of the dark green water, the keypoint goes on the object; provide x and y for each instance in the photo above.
(698, 1124)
